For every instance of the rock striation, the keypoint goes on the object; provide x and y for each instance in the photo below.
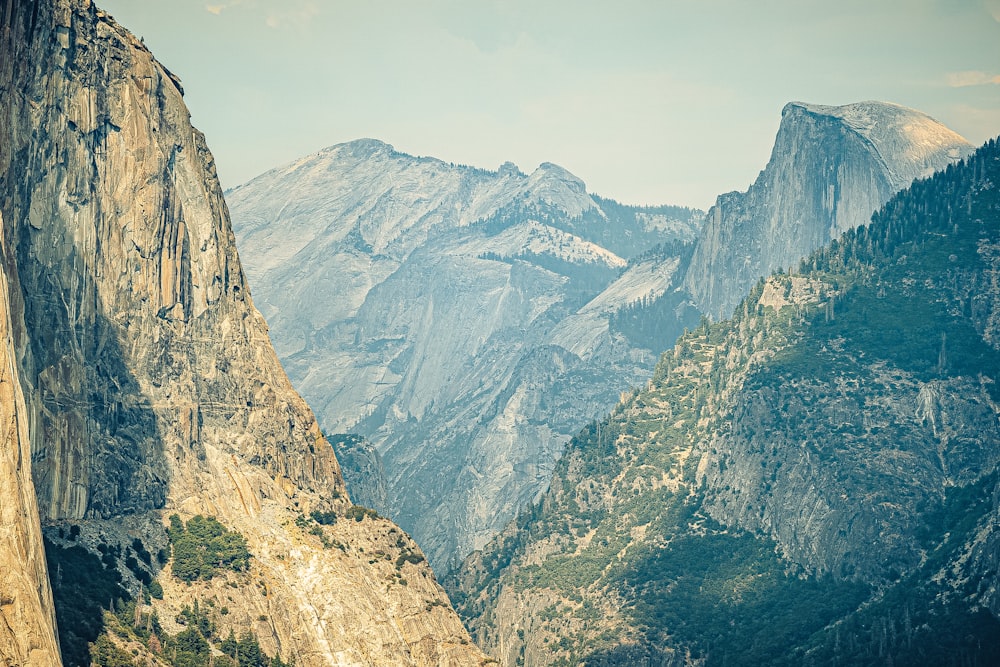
(457, 318)
(27, 620)
(148, 378)
(831, 168)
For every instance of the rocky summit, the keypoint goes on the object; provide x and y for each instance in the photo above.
(831, 167)
(139, 382)
(465, 322)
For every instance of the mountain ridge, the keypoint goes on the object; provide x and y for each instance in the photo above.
(830, 168)
(813, 479)
(411, 279)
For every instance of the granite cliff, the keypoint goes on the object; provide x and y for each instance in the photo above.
(459, 319)
(149, 383)
(830, 169)
(812, 481)
(27, 619)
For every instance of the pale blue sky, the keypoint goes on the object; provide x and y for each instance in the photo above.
(648, 102)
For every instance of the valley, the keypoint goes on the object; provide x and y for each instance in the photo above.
(373, 408)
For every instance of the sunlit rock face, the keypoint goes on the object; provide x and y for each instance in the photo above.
(457, 318)
(27, 622)
(830, 169)
(149, 383)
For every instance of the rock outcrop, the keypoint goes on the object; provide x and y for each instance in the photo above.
(149, 381)
(456, 318)
(830, 169)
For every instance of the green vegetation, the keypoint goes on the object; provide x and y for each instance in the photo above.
(656, 323)
(313, 524)
(919, 621)
(821, 389)
(586, 279)
(730, 596)
(202, 547)
(359, 513)
(96, 617)
(197, 645)
(324, 518)
(82, 588)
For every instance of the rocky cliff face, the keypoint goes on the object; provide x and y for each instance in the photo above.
(148, 377)
(830, 169)
(812, 480)
(457, 318)
(27, 621)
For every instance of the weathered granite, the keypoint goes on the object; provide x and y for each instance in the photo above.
(149, 380)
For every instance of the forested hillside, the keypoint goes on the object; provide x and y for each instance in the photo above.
(810, 482)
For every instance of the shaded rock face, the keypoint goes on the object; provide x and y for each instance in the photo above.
(455, 317)
(830, 169)
(149, 381)
(363, 471)
(849, 509)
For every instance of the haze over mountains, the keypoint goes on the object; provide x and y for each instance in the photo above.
(467, 323)
(457, 318)
(814, 479)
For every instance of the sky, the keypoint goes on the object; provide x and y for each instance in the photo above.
(647, 101)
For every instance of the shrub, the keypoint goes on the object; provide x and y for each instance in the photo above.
(204, 546)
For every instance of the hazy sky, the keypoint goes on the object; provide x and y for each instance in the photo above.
(669, 101)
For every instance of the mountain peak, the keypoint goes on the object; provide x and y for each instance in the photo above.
(834, 166)
(364, 147)
(552, 170)
(915, 143)
(508, 168)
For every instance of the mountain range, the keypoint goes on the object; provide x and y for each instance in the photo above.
(807, 475)
(467, 323)
(456, 318)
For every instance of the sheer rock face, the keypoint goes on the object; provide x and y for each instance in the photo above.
(830, 169)
(148, 377)
(452, 316)
(27, 623)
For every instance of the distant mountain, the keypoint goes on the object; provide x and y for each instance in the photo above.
(830, 169)
(457, 318)
(813, 481)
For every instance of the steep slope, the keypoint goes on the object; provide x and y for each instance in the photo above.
(455, 317)
(811, 482)
(27, 623)
(830, 169)
(149, 382)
